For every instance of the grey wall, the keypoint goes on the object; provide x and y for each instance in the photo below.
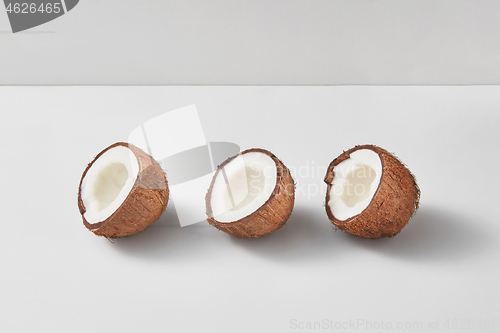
(259, 42)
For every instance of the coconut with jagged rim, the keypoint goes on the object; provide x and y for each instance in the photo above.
(370, 193)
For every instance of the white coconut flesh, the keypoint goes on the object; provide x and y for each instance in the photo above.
(355, 182)
(108, 183)
(242, 186)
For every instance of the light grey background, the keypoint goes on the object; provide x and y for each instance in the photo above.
(284, 42)
(443, 268)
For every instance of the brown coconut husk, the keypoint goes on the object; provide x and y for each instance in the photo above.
(393, 204)
(271, 216)
(145, 203)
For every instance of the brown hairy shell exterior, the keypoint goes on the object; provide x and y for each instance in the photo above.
(271, 216)
(393, 204)
(145, 203)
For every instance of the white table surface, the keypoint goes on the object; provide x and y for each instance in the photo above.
(442, 271)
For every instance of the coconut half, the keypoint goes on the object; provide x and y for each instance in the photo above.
(122, 191)
(370, 193)
(251, 195)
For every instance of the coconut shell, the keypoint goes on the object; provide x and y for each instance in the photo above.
(393, 204)
(145, 203)
(271, 216)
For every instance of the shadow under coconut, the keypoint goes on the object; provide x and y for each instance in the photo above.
(434, 234)
(165, 238)
(307, 236)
